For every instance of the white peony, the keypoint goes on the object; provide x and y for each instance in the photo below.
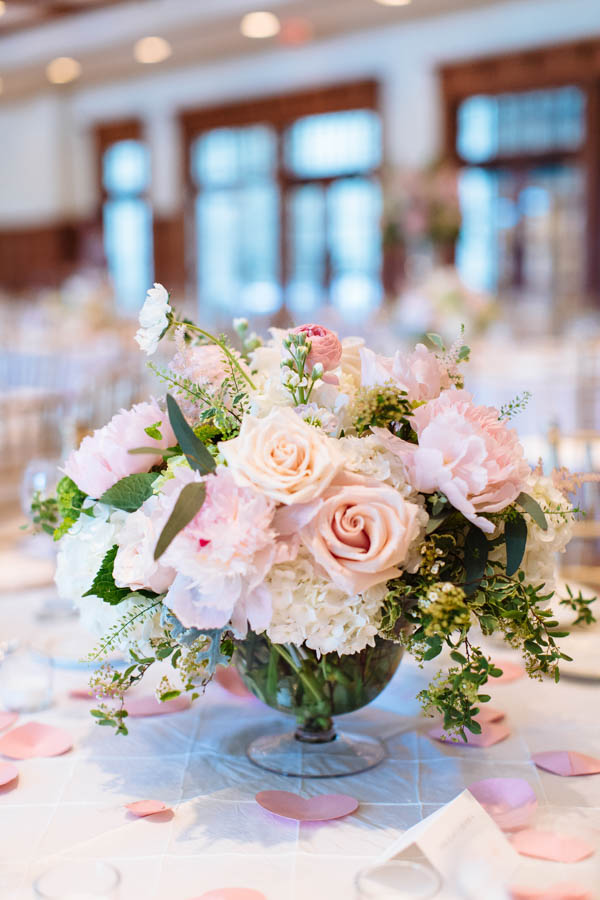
(153, 318)
(135, 566)
(307, 607)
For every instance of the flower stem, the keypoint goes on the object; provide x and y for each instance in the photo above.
(220, 344)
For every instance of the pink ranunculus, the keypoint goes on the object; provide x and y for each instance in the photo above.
(359, 532)
(104, 458)
(420, 373)
(465, 452)
(325, 346)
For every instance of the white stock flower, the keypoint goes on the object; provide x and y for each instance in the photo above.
(307, 607)
(153, 318)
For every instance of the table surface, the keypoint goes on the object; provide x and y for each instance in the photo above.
(73, 805)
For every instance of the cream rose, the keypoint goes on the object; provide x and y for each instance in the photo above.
(282, 457)
(361, 531)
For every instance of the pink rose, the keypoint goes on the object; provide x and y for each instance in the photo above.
(325, 346)
(420, 373)
(103, 457)
(465, 452)
(359, 532)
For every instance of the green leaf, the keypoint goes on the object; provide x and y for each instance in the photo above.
(476, 554)
(532, 508)
(103, 585)
(436, 340)
(169, 695)
(515, 532)
(195, 452)
(130, 492)
(143, 451)
(188, 503)
(153, 431)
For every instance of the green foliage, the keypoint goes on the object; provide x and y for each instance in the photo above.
(533, 508)
(187, 506)
(195, 452)
(153, 431)
(580, 605)
(55, 515)
(515, 535)
(383, 406)
(476, 551)
(514, 407)
(130, 492)
(44, 513)
(103, 585)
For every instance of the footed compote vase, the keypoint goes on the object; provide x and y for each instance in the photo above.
(314, 689)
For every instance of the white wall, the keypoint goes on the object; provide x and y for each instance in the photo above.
(46, 156)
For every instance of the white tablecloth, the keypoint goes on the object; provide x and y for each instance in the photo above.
(218, 836)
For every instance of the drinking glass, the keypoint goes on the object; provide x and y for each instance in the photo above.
(25, 680)
(79, 880)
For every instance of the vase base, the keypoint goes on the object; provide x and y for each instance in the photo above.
(347, 754)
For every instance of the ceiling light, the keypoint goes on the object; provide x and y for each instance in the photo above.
(62, 70)
(260, 24)
(393, 2)
(152, 50)
(2, 7)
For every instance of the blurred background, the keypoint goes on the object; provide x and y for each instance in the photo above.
(386, 167)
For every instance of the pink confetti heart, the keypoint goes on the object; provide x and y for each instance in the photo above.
(551, 845)
(8, 773)
(511, 802)
(35, 739)
(490, 734)
(7, 720)
(563, 891)
(307, 809)
(510, 672)
(566, 890)
(488, 714)
(231, 681)
(138, 707)
(232, 893)
(567, 762)
(82, 694)
(143, 808)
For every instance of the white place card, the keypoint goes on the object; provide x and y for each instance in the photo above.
(465, 847)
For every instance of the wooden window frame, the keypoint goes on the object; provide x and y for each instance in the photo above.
(576, 63)
(278, 111)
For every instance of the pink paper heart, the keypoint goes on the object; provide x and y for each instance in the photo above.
(510, 672)
(143, 808)
(567, 762)
(82, 694)
(511, 802)
(232, 893)
(490, 734)
(230, 680)
(8, 773)
(488, 714)
(138, 707)
(563, 891)
(7, 720)
(551, 845)
(566, 890)
(307, 809)
(35, 739)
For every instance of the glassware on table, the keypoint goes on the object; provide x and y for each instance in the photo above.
(296, 681)
(79, 880)
(398, 879)
(26, 677)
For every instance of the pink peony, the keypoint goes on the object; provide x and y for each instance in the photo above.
(203, 364)
(420, 373)
(325, 346)
(223, 555)
(103, 457)
(465, 452)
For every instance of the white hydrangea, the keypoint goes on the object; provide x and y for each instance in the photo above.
(80, 555)
(153, 318)
(307, 607)
(367, 456)
(539, 561)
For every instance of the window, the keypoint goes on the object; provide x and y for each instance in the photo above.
(521, 129)
(127, 220)
(286, 205)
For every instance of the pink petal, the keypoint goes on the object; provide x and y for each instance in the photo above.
(307, 809)
(230, 680)
(143, 808)
(35, 739)
(7, 719)
(566, 890)
(8, 773)
(138, 707)
(511, 802)
(488, 714)
(490, 734)
(567, 762)
(231, 893)
(82, 694)
(551, 845)
(510, 672)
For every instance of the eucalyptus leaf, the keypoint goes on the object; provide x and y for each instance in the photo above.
(476, 554)
(195, 452)
(130, 492)
(532, 508)
(436, 340)
(515, 532)
(188, 504)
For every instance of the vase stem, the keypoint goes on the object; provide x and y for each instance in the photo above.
(318, 735)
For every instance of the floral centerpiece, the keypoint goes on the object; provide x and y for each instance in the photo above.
(311, 510)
